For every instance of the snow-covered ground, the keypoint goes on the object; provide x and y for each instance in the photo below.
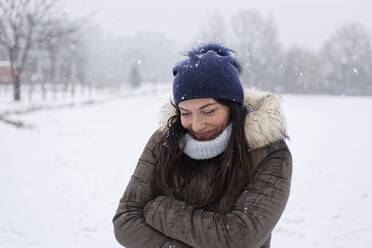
(61, 179)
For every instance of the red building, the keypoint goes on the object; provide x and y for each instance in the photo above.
(5, 72)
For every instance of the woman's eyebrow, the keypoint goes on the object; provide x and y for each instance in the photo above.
(207, 105)
(204, 106)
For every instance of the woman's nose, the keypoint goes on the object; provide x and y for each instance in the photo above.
(197, 124)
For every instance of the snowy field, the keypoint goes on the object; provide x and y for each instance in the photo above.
(62, 177)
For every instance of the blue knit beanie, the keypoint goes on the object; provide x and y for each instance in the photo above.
(209, 72)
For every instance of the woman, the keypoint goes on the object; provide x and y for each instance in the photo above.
(218, 172)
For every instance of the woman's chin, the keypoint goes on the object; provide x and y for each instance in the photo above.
(204, 139)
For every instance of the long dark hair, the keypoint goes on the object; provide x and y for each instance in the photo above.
(172, 171)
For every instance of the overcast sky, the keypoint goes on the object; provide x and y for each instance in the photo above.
(300, 22)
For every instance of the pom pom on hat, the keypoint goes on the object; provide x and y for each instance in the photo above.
(209, 72)
(220, 50)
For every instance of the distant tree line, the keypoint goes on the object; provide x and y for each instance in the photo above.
(39, 42)
(49, 50)
(146, 57)
(342, 66)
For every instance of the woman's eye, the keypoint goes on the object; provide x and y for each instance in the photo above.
(209, 111)
(185, 114)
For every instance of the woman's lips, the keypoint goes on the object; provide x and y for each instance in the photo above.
(202, 135)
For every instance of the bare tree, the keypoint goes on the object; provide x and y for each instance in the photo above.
(134, 76)
(259, 49)
(348, 58)
(215, 29)
(23, 24)
(304, 71)
(61, 38)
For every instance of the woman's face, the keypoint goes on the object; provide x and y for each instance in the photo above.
(204, 118)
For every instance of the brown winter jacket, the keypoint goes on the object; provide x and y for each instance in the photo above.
(146, 220)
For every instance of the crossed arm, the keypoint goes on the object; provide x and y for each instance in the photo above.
(142, 221)
(249, 224)
(130, 227)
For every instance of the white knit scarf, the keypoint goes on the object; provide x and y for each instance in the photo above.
(196, 149)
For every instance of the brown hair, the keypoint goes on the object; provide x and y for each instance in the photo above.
(174, 170)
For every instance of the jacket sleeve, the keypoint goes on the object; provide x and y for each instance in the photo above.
(252, 219)
(130, 228)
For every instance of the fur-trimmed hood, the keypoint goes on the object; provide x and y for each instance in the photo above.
(264, 125)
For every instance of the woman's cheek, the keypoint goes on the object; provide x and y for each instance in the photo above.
(185, 123)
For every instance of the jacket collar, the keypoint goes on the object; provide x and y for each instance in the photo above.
(264, 125)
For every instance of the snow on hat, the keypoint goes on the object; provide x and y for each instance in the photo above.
(209, 72)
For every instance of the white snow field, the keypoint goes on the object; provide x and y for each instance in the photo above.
(61, 179)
